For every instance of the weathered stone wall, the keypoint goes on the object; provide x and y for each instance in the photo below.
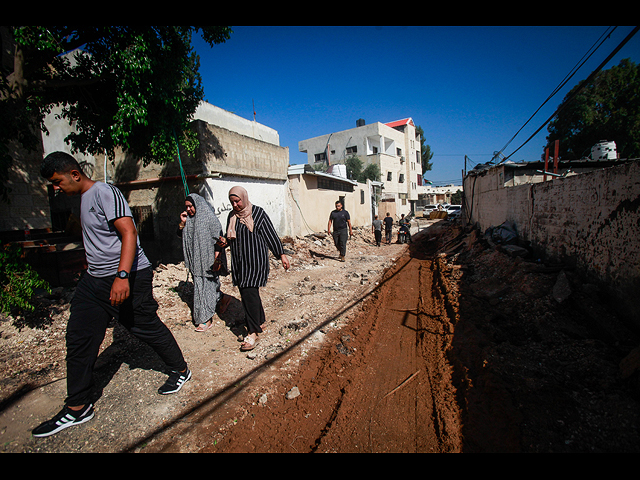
(589, 221)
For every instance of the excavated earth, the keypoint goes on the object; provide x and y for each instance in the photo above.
(449, 344)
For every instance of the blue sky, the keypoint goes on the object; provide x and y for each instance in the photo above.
(470, 88)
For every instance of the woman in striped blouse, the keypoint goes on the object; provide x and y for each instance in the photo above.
(250, 236)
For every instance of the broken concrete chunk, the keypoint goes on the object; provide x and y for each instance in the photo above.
(562, 288)
(515, 251)
(293, 393)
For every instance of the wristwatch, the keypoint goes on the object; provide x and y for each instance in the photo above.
(122, 274)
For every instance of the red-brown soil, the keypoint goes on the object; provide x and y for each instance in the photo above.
(451, 345)
(382, 384)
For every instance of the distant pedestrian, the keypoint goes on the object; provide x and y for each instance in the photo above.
(376, 228)
(388, 227)
(250, 236)
(405, 228)
(118, 284)
(341, 221)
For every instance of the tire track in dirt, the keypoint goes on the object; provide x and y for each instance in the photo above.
(381, 385)
(379, 410)
(435, 331)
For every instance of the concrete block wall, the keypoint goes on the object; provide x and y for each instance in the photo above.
(271, 195)
(589, 221)
(233, 158)
(311, 206)
(28, 205)
(225, 151)
(217, 116)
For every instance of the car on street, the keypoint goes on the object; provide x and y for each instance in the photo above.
(428, 209)
(453, 211)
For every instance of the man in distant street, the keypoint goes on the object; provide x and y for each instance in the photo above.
(388, 227)
(341, 227)
(405, 227)
(376, 228)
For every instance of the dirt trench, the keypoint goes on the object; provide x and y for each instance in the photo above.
(381, 384)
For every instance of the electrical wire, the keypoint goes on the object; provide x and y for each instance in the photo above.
(572, 72)
(581, 86)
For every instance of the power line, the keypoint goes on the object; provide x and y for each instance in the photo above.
(572, 72)
(581, 86)
(461, 154)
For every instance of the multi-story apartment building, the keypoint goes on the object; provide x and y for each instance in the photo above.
(394, 147)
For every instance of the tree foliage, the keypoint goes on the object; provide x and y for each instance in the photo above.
(354, 167)
(130, 87)
(607, 108)
(18, 281)
(425, 152)
(356, 172)
(371, 172)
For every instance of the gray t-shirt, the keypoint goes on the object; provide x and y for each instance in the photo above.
(377, 224)
(100, 206)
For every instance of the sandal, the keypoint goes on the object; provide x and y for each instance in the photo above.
(249, 343)
(203, 327)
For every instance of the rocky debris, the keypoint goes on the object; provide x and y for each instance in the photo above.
(548, 364)
(293, 393)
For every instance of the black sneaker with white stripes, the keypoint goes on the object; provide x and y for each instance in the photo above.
(66, 418)
(175, 382)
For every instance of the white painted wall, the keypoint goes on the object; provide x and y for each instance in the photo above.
(270, 195)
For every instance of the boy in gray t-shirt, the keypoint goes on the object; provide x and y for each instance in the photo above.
(101, 205)
(118, 284)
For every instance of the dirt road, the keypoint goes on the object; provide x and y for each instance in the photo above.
(380, 384)
(317, 323)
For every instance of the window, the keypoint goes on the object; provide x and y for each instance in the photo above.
(401, 178)
(361, 196)
(352, 150)
(389, 176)
(143, 218)
(337, 185)
(321, 157)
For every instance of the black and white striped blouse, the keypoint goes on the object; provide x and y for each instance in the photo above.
(250, 251)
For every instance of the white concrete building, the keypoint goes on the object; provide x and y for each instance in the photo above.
(394, 147)
(435, 195)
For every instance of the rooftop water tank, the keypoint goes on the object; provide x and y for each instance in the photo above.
(604, 150)
(338, 170)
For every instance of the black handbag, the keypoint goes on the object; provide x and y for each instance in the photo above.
(219, 267)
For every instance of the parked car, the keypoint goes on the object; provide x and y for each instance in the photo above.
(428, 209)
(454, 211)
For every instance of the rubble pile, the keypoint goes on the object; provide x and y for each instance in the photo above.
(544, 361)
